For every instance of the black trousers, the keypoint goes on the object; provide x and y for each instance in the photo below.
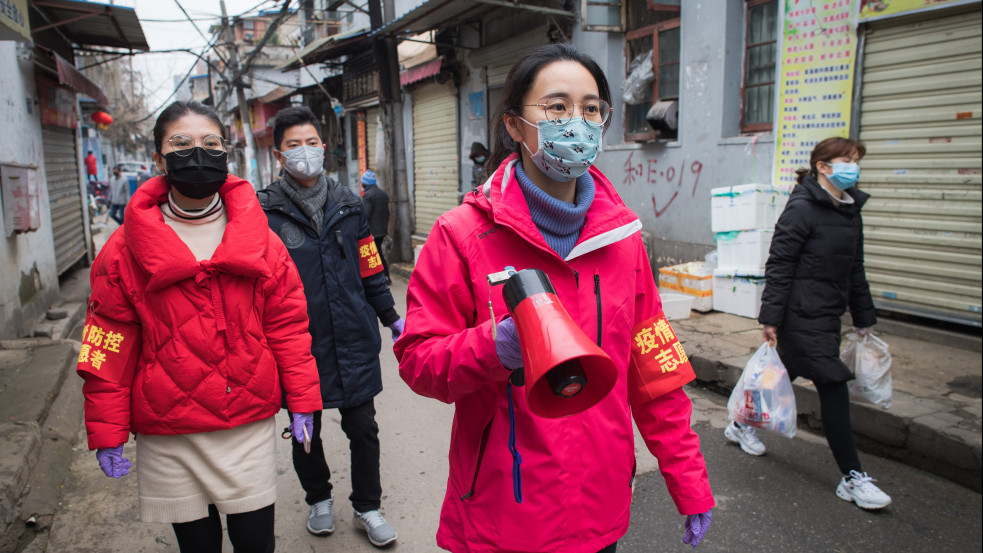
(250, 532)
(834, 407)
(359, 425)
(385, 264)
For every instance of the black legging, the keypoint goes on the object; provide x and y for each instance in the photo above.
(250, 532)
(834, 407)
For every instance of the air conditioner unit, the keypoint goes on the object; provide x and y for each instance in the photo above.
(662, 117)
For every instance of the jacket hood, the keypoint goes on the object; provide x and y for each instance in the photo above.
(164, 257)
(608, 219)
(814, 192)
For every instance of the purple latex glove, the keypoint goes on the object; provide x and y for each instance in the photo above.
(696, 527)
(302, 421)
(397, 328)
(112, 462)
(863, 331)
(507, 345)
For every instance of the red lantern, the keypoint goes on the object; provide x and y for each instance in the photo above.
(102, 117)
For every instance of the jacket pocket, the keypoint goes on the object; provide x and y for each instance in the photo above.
(485, 432)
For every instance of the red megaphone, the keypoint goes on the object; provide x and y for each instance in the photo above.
(564, 371)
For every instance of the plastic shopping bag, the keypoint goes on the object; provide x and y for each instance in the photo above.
(763, 395)
(867, 357)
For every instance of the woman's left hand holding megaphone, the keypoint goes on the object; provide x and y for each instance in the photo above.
(507, 345)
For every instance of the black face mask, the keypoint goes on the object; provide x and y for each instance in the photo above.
(198, 175)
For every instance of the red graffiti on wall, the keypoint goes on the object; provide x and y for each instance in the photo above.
(670, 178)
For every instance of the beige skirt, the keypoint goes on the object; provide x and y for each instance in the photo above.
(179, 476)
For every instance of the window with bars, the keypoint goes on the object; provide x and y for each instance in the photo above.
(760, 55)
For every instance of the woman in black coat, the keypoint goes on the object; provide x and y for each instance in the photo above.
(815, 271)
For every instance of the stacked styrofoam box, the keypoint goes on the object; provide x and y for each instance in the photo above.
(743, 218)
(743, 249)
(692, 279)
(676, 306)
(739, 294)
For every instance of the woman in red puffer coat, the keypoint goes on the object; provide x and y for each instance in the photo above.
(196, 329)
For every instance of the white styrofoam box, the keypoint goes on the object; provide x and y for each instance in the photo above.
(743, 249)
(676, 306)
(746, 206)
(738, 294)
(692, 279)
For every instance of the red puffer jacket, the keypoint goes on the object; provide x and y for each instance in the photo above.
(576, 472)
(177, 346)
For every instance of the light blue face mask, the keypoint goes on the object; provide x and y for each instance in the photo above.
(565, 151)
(844, 175)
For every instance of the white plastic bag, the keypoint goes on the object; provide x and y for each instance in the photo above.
(867, 357)
(639, 79)
(763, 396)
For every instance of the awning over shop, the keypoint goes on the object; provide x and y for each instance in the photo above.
(440, 14)
(89, 23)
(74, 79)
(327, 48)
(419, 72)
(276, 94)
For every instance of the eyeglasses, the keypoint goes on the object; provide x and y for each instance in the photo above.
(183, 145)
(559, 111)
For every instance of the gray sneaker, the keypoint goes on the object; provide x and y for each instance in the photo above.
(321, 520)
(380, 532)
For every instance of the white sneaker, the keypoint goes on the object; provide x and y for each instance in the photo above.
(860, 489)
(746, 436)
(378, 529)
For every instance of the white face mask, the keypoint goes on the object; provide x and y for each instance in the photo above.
(304, 162)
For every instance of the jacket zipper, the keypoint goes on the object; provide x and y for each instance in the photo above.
(481, 454)
(597, 297)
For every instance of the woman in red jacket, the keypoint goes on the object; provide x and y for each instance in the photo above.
(519, 481)
(196, 328)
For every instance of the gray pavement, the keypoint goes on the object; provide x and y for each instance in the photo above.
(47, 473)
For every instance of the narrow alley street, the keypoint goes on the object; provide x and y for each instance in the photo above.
(783, 501)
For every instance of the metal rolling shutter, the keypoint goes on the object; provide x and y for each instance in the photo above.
(65, 198)
(435, 153)
(499, 57)
(371, 130)
(920, 120)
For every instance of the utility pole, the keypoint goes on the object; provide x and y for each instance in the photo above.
(391, 113)
(247, 130)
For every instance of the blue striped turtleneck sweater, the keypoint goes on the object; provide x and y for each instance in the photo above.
(559, 222)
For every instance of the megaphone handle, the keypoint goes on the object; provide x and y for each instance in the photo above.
(518, 377)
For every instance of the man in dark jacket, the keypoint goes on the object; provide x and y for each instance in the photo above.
(376, 203)
(324, 227)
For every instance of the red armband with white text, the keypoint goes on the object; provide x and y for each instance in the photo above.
(369, 262)
(658, 362)
(108, 348)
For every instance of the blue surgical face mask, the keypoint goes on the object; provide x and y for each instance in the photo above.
(565, 151)
(844, 175)
(479, 160)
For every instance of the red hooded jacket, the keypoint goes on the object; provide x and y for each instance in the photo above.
(173, 345)
(576, 472)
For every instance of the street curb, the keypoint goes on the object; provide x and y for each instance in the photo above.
(919, 432)
(26, 405)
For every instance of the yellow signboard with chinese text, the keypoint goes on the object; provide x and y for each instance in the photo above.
(818, 51)
(14, 24)
(871, 10)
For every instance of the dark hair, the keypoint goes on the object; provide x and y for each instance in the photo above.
(520, 80)
(291, 117)
(178, 110)
(828, 149)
